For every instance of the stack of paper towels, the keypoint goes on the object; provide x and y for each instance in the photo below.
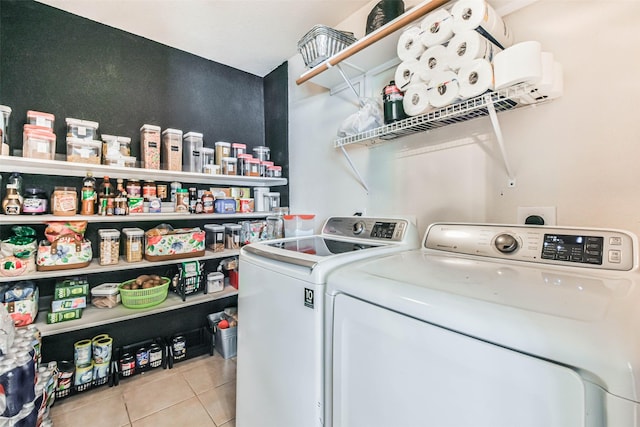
(462, 52)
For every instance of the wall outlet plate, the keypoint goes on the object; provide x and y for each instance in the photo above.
(548, 213)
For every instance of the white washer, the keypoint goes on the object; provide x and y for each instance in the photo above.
(488, 325)
(280, 363)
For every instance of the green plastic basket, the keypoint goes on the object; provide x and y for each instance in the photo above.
(144, 298)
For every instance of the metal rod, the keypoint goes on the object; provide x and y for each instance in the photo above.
(346, 79)
(355, 170)
(496, 129)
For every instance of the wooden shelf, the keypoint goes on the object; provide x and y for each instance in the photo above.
(93, 316)
(373, 49)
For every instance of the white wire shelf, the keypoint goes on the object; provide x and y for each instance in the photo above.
(502, 100)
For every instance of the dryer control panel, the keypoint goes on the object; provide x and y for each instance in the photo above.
(580, 247)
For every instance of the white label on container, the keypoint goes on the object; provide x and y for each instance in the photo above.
(42, 147)
(82, 131)
(135, 246)
(41, 121)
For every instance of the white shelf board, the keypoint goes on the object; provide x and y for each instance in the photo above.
(58, 167)
(93, 316)
(95, 266)
(41, 219)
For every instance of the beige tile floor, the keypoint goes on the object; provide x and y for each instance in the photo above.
(197, 392)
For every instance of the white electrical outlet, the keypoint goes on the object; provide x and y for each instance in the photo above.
(548, 214)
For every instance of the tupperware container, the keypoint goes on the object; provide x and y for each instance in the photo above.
(223, 149)
(106, 295)
(298, 225)
(232, 236)
(40, 119)
(83, 151)
(172, 149)
(109, 246)
(191, 157)
(5, 112)
(39, 144)
(274, 172)
(115, 146)
(82, 129)
(214, 237)
(262, 153)
(208, 157)
(237, 149)
(117, 160)
(133, 244)
(150, 146)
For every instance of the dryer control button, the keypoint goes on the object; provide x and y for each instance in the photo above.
(358, 228)
(506, 243)
(615, 256)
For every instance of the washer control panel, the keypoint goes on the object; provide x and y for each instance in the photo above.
(369, 228)
(592, 248)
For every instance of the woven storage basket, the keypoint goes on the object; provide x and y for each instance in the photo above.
(143, 298)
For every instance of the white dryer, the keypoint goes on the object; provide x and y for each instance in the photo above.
(280, 374)
(488, 326)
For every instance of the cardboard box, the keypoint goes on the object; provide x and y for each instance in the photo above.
(63, 316)
(68, 304)
(71, 288)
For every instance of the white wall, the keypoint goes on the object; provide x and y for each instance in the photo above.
(580, 153)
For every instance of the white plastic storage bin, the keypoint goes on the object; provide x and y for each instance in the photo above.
(82, 129)
(172, 149)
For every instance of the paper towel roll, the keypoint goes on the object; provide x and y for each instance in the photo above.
(434, 59)
(468, 45)
(437, 28)
(416, 100)
(443, 89)
(478, 15)
(409, 44)
(475, 78)
(521, 63)
(551, 83)
(407, 73)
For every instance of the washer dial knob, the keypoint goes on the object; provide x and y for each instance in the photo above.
(358, 227)
(506, 243)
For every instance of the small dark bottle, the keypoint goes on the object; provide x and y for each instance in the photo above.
(392, 98)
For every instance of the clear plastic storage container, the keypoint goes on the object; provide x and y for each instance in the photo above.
(115, 146)
(109, 246)
(39, 144)
(83, 151)
(223, 149)
(38, 118)
(82, 129)
(262, 153)
(191, 152)
(215, 237)
(229, 165)
(232, 236)
(5, 113)
(133, 244)
(150, 146)
(172, 149)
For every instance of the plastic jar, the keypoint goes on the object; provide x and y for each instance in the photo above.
(271, 201)
(237, 149)
(232, 236)
(64, 201)
(223, 149)
(274, 172)
(133, 244)
(208, 157)
(215, 237)
(253, 167)
(264, 165)
(211, 169)
(109, 246)
(262, 153)
(35, 201)
(229, 165)
(242, 168)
